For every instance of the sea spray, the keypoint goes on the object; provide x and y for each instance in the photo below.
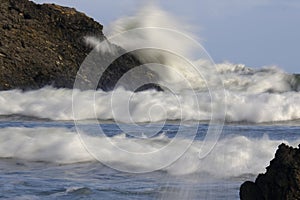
(232, 157)
(56, 104)
(156, 37)
(234, 76)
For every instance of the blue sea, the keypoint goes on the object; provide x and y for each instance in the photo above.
(183, 143)
(41, 159)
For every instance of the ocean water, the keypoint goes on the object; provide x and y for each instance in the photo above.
(213, 127)
(73, 144)
(44, 159)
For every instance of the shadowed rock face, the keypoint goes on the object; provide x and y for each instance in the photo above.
(281, 181)
(44, 45)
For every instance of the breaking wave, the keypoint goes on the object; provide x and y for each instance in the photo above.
(232, 156)
(56, 104)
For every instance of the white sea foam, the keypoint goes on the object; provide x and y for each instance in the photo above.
(246, 79)
(232, 156)
(56, 104)
(42, 144)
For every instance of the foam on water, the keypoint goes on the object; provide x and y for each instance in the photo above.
(42, 144)
(56, 104)
(266, 79)
(232, 156)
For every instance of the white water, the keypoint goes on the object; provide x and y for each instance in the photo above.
(232, 156)
(260, 95)
(56, 104)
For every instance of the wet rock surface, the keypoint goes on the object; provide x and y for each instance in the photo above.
(281, 181)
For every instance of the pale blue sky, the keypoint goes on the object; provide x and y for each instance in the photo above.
(251, 32)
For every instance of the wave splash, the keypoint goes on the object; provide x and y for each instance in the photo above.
(252, 95)
(235, 77)
(56, 104)
(232, 156)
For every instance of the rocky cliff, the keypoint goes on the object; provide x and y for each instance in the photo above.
(280, 182)
(44, 45)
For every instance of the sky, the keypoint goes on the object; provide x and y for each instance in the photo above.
(256, 33)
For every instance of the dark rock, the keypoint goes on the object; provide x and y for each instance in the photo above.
(250, 191)
(6, 26)
(282, 179)
(296, 82)
(44, 45)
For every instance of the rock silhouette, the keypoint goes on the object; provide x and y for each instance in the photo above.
(280, 182)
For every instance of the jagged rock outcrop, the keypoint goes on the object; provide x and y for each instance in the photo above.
(44, 45)
(280, 182)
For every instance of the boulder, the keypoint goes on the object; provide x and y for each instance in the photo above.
(281, 180)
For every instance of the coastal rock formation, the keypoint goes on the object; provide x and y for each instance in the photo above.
(44, 45)
(281, 181)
